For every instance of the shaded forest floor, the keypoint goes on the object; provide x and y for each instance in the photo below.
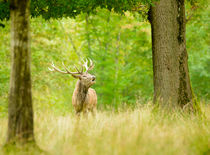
(139, 131)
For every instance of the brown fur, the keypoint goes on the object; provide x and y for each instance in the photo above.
(84, 99)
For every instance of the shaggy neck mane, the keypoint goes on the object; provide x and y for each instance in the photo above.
(81, 91)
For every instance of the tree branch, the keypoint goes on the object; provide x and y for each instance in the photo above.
(71, 40)
(193, 9)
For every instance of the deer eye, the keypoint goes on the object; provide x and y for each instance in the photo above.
(84, 76)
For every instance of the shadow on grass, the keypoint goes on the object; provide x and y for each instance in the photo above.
(26, 149)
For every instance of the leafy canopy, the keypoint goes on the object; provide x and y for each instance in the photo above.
(70, 8)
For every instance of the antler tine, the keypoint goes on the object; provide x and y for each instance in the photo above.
(65, 68)
(91, 62)
(91, 65)
(78, 72)
(56, 69)
(81, 69)
(77, 69)
(85, 65)
(51, 69)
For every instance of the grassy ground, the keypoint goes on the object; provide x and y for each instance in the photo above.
(139, 131)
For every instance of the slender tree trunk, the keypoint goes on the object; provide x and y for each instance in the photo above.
(170, 60)
(20, 123)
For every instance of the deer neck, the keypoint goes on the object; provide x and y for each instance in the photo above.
(81, 91)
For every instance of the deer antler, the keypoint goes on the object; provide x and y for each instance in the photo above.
(86, 65)
(53, 69)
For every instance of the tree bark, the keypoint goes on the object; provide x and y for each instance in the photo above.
(20, 121)
(172, 86)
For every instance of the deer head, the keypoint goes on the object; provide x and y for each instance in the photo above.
(86, 79)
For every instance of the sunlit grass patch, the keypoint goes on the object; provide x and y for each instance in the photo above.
(138, 131)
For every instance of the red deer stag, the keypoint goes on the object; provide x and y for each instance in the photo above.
(84, 98)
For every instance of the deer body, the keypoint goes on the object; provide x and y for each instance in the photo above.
(84, 98)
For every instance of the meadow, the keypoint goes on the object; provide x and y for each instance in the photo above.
(143, 130)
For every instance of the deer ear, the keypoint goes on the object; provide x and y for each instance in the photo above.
(76, 76)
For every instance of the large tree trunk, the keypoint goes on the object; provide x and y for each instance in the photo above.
(20, 123)
(172, 86)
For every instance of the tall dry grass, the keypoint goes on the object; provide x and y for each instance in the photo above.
(139, 131)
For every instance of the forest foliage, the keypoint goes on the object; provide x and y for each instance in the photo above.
(119, 45)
